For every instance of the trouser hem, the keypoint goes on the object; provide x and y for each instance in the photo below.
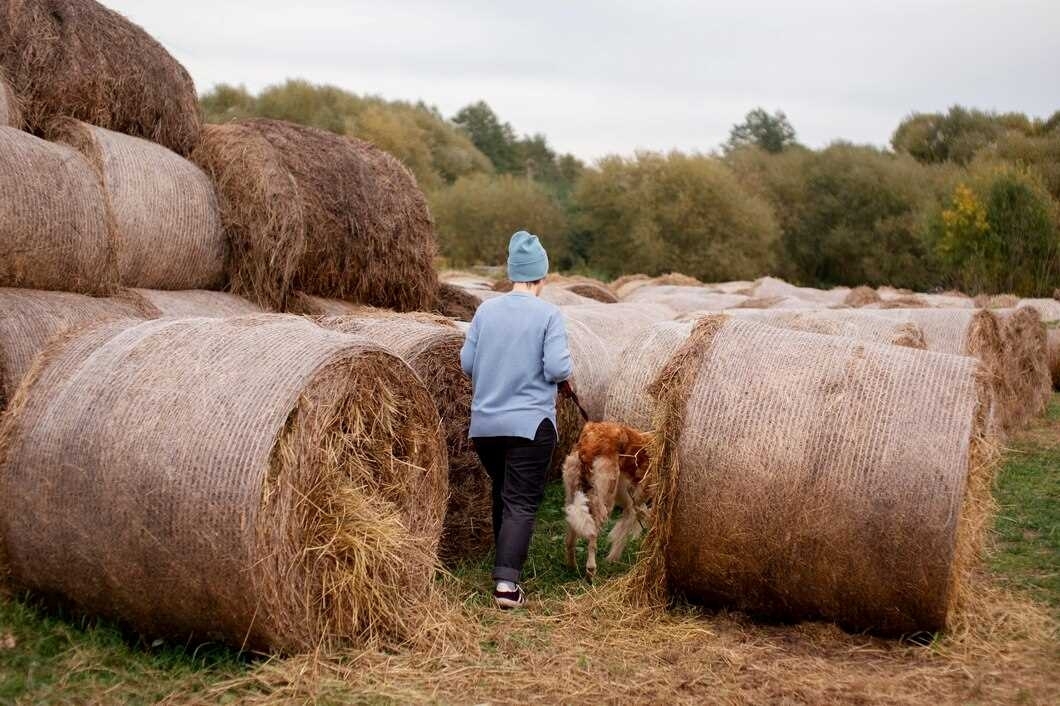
(506, 573)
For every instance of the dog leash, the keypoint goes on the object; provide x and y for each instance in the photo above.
(567, 391)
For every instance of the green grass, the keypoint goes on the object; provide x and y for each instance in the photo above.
(1027, 554)
(47, 657)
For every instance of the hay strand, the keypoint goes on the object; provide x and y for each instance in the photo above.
(307, 210)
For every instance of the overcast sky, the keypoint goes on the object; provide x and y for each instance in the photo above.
(607, 77)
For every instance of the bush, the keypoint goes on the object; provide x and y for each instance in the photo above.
(475, 217)
(848, 214)
(997, 232)
(659, 213)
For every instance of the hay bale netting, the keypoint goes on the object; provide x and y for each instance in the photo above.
(1048, 309)
(80, 59)
(951, 300)
(969, 332)
(850, 483)
(54, 229)
(455, 302)
(996, 301)
(308, 210)
(628, 401)
(194, 303)
(683, 299)
(170, 476)
(1027, 358)
(861, 325)
(432, 350)
(163, 209)
(10, 113)
(30, 318)
(596, 336)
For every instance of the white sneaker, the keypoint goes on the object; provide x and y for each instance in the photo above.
(508, 595)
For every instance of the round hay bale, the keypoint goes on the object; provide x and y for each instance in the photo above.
(170, 476)
(950, 300)
(860, 296)
(850, 482)
(596, 336)
(30, 318)
(996, 301)
(167, 226)
(307, 210)
(1053, 341)
(80, 59)
(620, 282)
(194, 303)
(465, 280)
(10, 113)
(1048, 309)
(907, 301)
(676, 279)
(684, 299)
(432, 350)
(593, 290)
(456, 302)
(503, 285)
(561, 296)
(769, 287)
(734, 287)
(308, 305)
(1027, 357)
(54, 227)
(628, 401)
(861, 325)
(968, 332)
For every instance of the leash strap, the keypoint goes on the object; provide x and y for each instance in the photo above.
(567, 391)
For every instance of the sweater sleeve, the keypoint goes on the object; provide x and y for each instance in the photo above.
(467, 351)
(557, 361)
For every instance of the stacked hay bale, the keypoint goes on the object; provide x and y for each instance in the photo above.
(1049, 310)
(562, 296)
(30, 319)
(79, 59)
(432, 350)
(192, 303)
(455, 302)
(307, 210)
(628, 401)
(55, 232)
(308, 305)
(168, 475)
(873, 458)
(10, 114)
(166, 226)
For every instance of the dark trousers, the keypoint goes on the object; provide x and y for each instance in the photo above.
(518, 468)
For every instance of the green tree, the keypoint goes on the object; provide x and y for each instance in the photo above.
(226, 102)
(770, 132)
(657, 213)
(493, 138)
(476, 215)
(848, 214)
(997, 232)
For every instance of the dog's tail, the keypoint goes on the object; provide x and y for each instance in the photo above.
(578, 516)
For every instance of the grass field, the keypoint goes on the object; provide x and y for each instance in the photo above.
(573, 645)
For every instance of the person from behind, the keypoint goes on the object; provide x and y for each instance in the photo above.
(516, 354)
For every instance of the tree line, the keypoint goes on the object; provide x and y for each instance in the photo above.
(964, 199)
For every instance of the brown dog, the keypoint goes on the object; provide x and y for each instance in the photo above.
(605, 468)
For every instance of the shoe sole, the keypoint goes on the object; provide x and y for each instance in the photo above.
(508, 603)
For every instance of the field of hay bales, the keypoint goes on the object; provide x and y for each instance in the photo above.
(234, 464)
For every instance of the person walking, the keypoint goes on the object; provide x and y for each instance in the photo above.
(516, 354)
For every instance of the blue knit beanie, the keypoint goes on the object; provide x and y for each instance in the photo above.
(527, 260)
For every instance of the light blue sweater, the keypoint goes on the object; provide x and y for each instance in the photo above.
(516, 353)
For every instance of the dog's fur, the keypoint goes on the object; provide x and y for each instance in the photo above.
(605, 468)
